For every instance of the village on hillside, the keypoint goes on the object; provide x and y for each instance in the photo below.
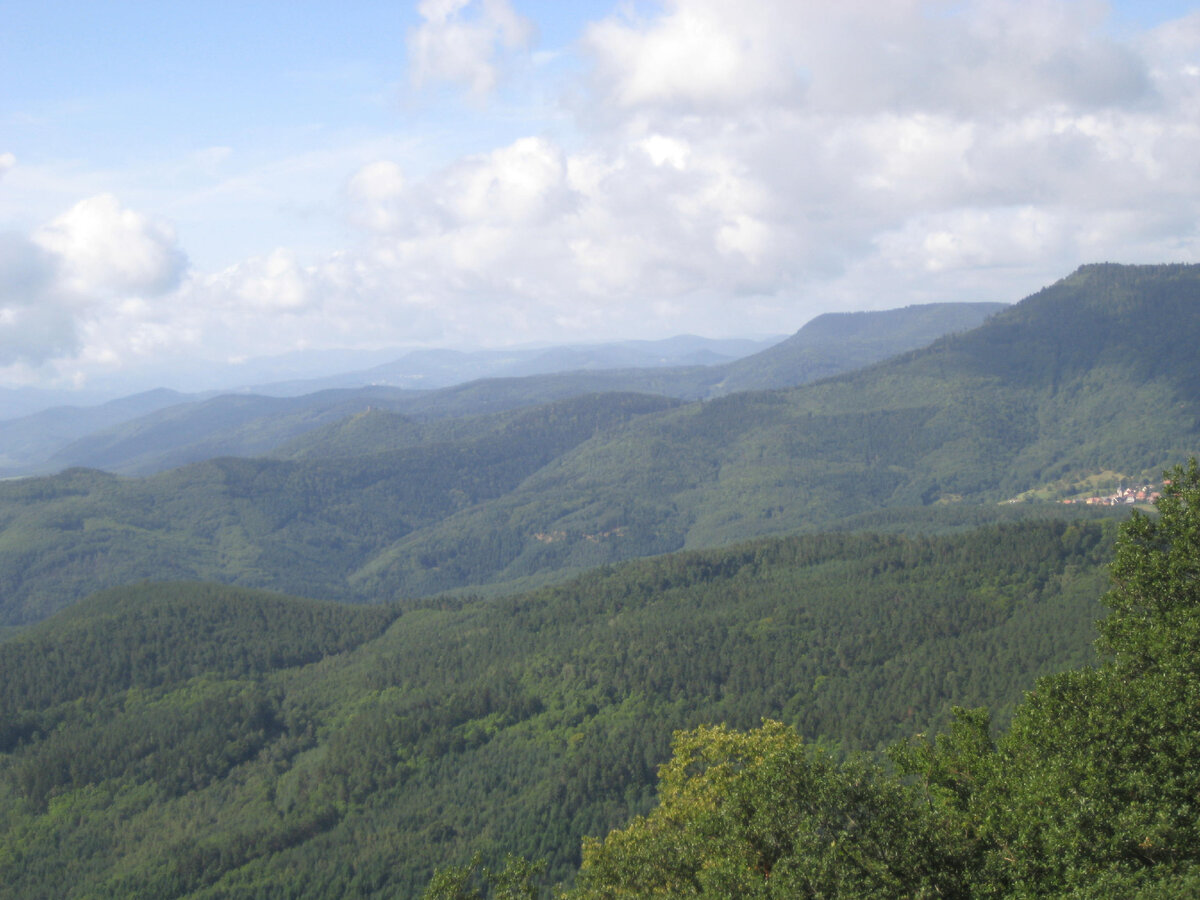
(1121, 497)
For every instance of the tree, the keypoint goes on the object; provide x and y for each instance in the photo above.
(520, 879)
(1095, 790)
(760, 814)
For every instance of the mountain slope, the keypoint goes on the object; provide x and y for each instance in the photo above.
(250, 425)
(298, 526)
(1068, 384)
(1072, 381)
(38, 436)
(202, 741)
(838, 342)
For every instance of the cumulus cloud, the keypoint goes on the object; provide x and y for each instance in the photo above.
(273, 283)
(104, 247)
(89, 262)
(464, 41)
(740, 162)
(374, 194)
(36, 321)
(728, 168)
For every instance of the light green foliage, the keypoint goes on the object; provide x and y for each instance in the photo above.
(205, 741)
(1093, 792)
(1095, 789)
(1101, 765)
(519, 880)
(759, 814)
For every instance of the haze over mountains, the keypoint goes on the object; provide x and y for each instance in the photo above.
(253, 420)
(836, 549)
(358, 500)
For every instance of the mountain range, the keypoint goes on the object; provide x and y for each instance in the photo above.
(184, 713)
(1094, 374)
(161, 429)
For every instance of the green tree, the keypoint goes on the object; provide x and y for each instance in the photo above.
(520, 879)
(1100, 766)
(760, 814)
(1094, 792)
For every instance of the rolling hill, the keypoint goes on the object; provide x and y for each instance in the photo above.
(193, 740)
(248, 424)
(1095, 373)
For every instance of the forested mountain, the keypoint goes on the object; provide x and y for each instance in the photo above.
(251, 425)
(438, 368)
(227, 425)
(199, 739)
(1091, 793)
(294, 526)
(838, 342)
(39, 436)
(191, 740)
(1094, 374)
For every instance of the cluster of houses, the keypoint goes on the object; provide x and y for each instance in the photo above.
(1145, 494)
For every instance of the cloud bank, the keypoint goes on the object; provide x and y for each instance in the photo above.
(727, 168)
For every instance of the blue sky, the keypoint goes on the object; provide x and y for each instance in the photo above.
(217, 181)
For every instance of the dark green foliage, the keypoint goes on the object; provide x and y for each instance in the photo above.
(302, 527)
(1093, 792)
(237, 744)
(518, 880)
(1067, 384)
(153, 635)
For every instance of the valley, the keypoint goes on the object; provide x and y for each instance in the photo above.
(332, 643)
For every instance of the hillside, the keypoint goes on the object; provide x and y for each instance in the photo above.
(834, 343)
(27, 440)
(1090, 793)
(297, 526)
(194, 740)
(1093, 374)
(1072, 382)
(251, 425)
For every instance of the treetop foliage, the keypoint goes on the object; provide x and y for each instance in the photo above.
(1093, 792)
(200, 740)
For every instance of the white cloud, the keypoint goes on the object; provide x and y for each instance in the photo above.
(703, 53)
(728, 168)
(104, 247)
(374, 194)
(462, 41)
(89, 263)
(36, 321)
(274, 283)
(7, 161)
(518, 184)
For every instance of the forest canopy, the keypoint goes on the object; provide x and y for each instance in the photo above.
(1094, 790)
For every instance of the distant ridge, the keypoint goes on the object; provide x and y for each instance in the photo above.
(1094, 374)
(833, 343)
(250, 425)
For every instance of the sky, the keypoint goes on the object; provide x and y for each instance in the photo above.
(188, 185)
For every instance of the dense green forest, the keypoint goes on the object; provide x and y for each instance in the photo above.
(186, 711)
(1092, 791)
(196, 740)
(299, 525)
(1094, 375)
